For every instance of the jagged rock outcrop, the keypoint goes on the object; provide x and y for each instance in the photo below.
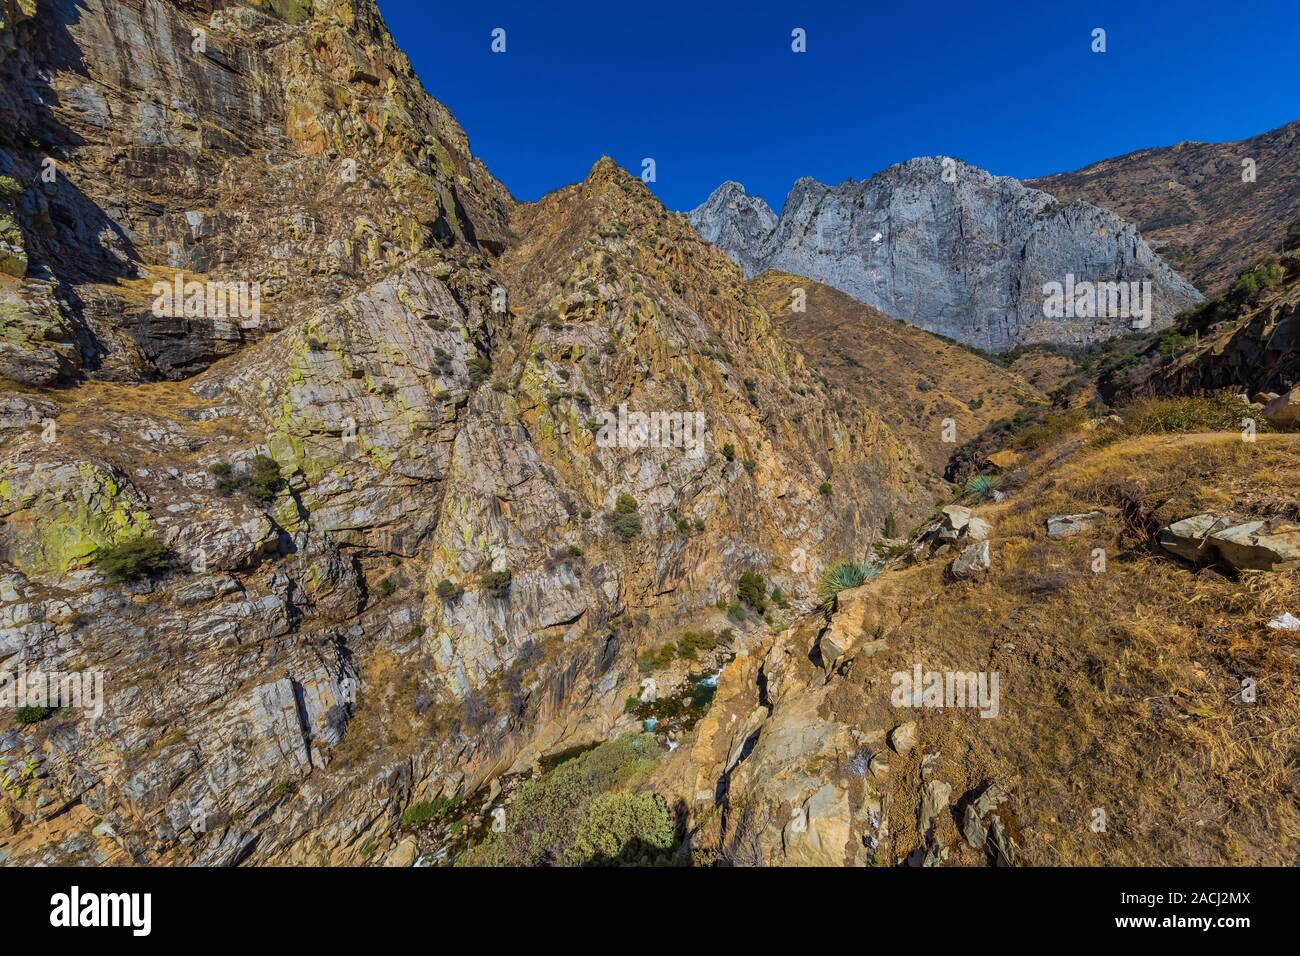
(290, 146)
(952, 249)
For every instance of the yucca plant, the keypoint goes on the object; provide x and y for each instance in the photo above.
(843, 575)
(981, 487)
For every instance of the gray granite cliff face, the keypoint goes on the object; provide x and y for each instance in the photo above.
(951, 249)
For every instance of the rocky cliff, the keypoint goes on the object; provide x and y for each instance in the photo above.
(409, 524)
(952, 249)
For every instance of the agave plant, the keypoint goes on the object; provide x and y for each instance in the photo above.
(843, 575)
(981, 487)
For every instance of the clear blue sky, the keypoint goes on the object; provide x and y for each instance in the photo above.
(712, 90)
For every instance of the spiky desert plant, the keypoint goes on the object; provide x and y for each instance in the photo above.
(981, 487)
(843, 575)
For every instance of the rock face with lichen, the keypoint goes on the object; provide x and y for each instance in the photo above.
(949, 248)
(405, 544)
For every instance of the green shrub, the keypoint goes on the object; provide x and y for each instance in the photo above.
(625, 520)
(496, 583)
(843, 575)
(448, 592)
(283, 789)
(729, 451)
(623, 829)
(387, 586)
(418, 814)
(550, 821)
(1170, 344)
(227, 481)
(10, 188)
(264, 479)
(132, 560)
(825, 488)
(479, 367)
(32, 715)
(752, 589)
(891, 526)
(652, 660)
(735, 612)
(692, 643)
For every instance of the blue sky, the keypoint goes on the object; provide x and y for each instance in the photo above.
(712, 90)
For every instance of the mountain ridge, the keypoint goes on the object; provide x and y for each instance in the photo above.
(949, 248)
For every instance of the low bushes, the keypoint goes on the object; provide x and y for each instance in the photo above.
(133, 560)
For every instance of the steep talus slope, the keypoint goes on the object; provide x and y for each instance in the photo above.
(1191, 203)
(294, 148)
(949, 248)
(915, 381)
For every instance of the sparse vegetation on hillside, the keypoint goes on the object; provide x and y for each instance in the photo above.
(588, 811)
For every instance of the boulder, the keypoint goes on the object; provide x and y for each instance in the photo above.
(975, 820)
(1187, 538)
(819, 834)
(903, 737)
(856, 615)
(999, 843)
(404, 854)
(1253, 547)
(1245, 546)
(935, 796)
(1284, 411)
(1063, 526)
(955, 520)
(979, 529)
(972, 562)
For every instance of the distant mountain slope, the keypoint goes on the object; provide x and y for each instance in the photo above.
(1190, 203)
(1247, 338)
(913, 379)
(949, 248)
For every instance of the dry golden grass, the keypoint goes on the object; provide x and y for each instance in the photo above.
(1121, 690)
